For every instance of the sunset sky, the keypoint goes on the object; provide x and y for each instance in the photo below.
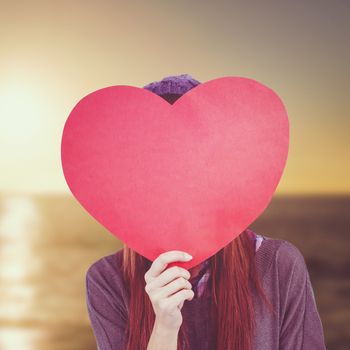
(54, 53)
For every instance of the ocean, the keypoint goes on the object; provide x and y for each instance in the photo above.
(47, 243)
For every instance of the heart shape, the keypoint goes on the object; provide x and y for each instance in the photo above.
(189, 176)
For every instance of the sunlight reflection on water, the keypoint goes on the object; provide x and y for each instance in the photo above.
(19, 219)
(46, 245)
(19, 338)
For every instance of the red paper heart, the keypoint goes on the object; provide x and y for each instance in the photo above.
(189, 176)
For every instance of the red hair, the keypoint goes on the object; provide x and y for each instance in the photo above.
(233, 281)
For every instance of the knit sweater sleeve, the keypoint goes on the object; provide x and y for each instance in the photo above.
(106, 306)
(300, 323)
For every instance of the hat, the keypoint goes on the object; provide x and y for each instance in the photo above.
(173, 84)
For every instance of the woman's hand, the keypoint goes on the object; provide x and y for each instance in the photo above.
(168, 288)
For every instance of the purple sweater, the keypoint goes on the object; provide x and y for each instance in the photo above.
(285, 280)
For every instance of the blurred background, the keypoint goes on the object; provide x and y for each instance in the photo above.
(54, 53)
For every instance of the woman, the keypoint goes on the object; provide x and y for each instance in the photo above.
(255, 293)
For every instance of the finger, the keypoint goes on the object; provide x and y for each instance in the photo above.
(168, 276)
(173, 287)
(179, 297)
(161, 262)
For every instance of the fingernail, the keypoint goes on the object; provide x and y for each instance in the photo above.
(188, 256)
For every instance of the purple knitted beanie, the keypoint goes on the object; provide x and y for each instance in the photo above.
(174, 84)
